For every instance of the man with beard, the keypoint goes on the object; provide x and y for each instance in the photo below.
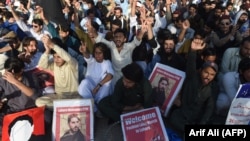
(132, 92)
(167, 56)
(74, 133)
(242, 22)
(197, 97)
(159, 92)
(114, 14)
(121, 50)
(29, 55)
(36, 30)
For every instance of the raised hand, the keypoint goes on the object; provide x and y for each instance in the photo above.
(185, 24)
(197, 44)
(150, 21)
(10, 77)
(25, 57)
(47, 42)
(83, 48)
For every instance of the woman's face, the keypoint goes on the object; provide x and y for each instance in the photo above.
(98, 55)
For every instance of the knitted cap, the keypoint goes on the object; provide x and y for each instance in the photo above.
(210, 64)
(133, 72)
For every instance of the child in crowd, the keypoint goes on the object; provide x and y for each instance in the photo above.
(97, 82)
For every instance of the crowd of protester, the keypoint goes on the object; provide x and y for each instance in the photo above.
(107, 49)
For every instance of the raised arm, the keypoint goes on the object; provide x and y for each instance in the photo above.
(9, 76)
(133, 5)
(83, 49)
(196, 45)
(60, 52)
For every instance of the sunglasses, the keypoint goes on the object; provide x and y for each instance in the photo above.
(35, 26)
(227, 23)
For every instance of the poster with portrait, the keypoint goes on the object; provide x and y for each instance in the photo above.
(73, 119)
(166, 82)
(144, 125)
(26, 125)
(239, 112)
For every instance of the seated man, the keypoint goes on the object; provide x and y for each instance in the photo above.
(230, 85)
(132, 92)
(65, 69)
(17, 91)
(197, 95)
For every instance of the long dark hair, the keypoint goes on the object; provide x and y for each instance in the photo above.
(105, 50)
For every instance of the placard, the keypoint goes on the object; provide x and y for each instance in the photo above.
(27, 125)
(239, 112)
(175, 80)
(143, 125)
(73, 118)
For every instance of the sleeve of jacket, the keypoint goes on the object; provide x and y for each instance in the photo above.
(209, 110)
(45, 63)
(116, 97)
(52, 30)
(191, 65)
(147, 94)
(65, 56)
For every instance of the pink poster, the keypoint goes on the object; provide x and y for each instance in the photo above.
(143, 125)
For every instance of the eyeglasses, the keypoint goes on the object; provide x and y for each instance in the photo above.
(226, 23)
(35, 26)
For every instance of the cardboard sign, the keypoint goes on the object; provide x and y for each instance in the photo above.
(239, 112)
(73, 118)
(144, 125)
(175, 80)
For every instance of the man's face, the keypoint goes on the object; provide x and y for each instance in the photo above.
(207, 7)
(207, 75)
(128, 83)
(217, 12)
(230, 8)
(169, 46)
(243, 18)
(224, 25)
(207, 29)
(210, 58)
(192, 10)
(36, 28)
(118, 13)
(163, 85)
(175, 16)
(31, 48)
(63, 34)
(91, 16)
(119, 39)
(74, 124)
(178, 23)
(245, 49)
(58, 60)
